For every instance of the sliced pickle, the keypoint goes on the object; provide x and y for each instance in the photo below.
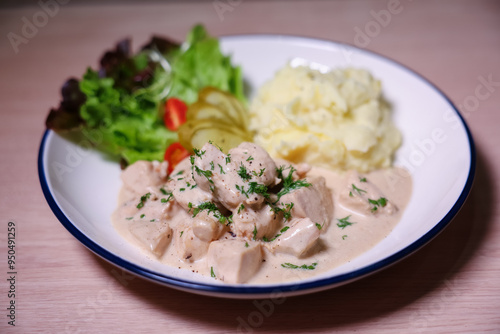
(227, 103)
(224, 140)
(194, 134)
(217, 116)
(203, 110)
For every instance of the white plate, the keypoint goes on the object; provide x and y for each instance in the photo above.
(81, 185)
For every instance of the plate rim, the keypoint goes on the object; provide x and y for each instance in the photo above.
(286, 288)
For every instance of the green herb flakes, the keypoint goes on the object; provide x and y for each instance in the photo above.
(344, 222)
(144, 198)
(359, 191)
(304, 266)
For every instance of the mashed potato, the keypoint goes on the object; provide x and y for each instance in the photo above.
(335, 120)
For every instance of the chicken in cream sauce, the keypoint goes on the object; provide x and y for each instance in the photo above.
(243, 217)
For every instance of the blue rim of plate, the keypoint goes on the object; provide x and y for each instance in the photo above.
(289, 288)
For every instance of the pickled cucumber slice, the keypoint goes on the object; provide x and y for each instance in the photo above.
(217, 116)
(195, 133)
(226, 103)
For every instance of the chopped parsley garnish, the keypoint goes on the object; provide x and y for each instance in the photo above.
(288, 183)
(254, 232)
(182, 189)
(242, 172)
(357, 189)
(182, 232)
(212, 165)
(241, 207)
(362, 179)
(241, 190)
(344, 222)
(144, 198)
(254, 188)
(180, 179)
(250, 158)
(304, 266)
(287, 214)
(344, 236)
(206, 173)
(198, 153)
(257, 188)
(170, 196)
(191, 159)
(211, 207)
(194, 186)
(152, 220)
(129, 218)
(382, 201)
(284, 229)
(319, 226)
(143, 215)
(211, 142)
(179, 172)
(259, 174)
(246, 244)
(228, 159)
(163, 191)
(212, 274)
(221, 169)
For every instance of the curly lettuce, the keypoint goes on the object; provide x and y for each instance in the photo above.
(123, 100)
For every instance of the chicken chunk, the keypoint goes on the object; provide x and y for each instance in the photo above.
(214, 174)
(361, 196)
(257, 162)
(184, 188)
(234, 261)
(255, 224)
(229, 181)
(301, 169)
(207, 227)
(154, 236)
(141, 176)
(149, 204)
(313, 202)
(298, 239)
(189, 247)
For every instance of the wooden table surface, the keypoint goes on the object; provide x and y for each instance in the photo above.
(452, 285)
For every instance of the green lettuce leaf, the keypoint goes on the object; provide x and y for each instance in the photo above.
(123, 100)
(203, 64)
(128, 123)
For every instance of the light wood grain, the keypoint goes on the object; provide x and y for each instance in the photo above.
(450, 286)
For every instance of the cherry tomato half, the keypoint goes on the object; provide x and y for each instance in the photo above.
(175, 113)
(174, 154)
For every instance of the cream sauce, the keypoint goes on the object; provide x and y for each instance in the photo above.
(335, 247)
